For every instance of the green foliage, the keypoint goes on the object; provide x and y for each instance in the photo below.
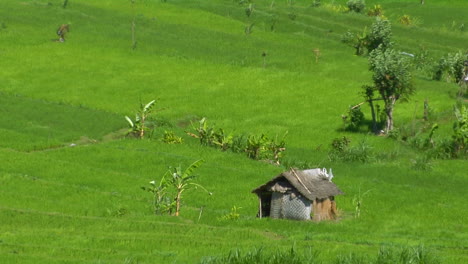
(422, 163)
(249, 28)
(292, 16)
(380, 35)
(350, 259)
(358, 41)
(55, 198)
(392, 79)
(233, 215)
(460, 131)
(170, 138)
(451, 66)
(357, 202)
(140, 125)
(342, 151)
(355, 118)
(249, 10)
(316, 3)
(222, 139)
(204, 132)
(407, 20)
(376, 10)
(260, 256)
(385, 255)
(273, 22)
(182, 180)
(167, 195)
(340, 144)
(162, 203)
(357, 6)
(256, 147)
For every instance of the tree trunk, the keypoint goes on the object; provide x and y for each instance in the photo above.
(177, 204)
(142, 129)
(374, 121)
(389, 112)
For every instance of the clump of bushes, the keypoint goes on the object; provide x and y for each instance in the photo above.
(376, 11)
(423, 137)
(380, 35)
(257, 147)
(354, 119)
(170, 138)
(451, 66)
(357, 6)
(342, 151)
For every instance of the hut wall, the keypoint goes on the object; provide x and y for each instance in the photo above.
(290, 206)
(276, 205)
(324, 209)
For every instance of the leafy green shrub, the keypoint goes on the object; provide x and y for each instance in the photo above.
(354, 119)
(340, 144)
(238, 143)
(380, 35)
(140, 125)
(222, 139)
(161, 203)
(357, 6)
(204, 132)
(451, 66)
(170, 138)
(256, 147)
(376, 10)
(341, 151)
(460, 131)
(358, 41)
(233, 215)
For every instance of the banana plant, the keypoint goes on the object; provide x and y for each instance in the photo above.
(182, 180)
(161, 200)
(139, 126)
(257, 146)
(222, 139)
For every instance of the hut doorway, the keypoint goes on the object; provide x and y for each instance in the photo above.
(265, 204)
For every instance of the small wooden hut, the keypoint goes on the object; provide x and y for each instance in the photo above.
(300, 195)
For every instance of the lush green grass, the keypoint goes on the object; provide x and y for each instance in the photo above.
(70, 183)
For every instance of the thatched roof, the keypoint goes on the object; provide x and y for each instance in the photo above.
(310, 183)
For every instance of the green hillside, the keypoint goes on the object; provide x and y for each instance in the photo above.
(70, 178)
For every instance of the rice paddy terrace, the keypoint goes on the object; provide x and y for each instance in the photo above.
(70, 178)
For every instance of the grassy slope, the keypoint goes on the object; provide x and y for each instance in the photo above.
(83, 204)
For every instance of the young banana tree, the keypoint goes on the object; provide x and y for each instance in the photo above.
(182, 181)
(161, 201)
(139, 126)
